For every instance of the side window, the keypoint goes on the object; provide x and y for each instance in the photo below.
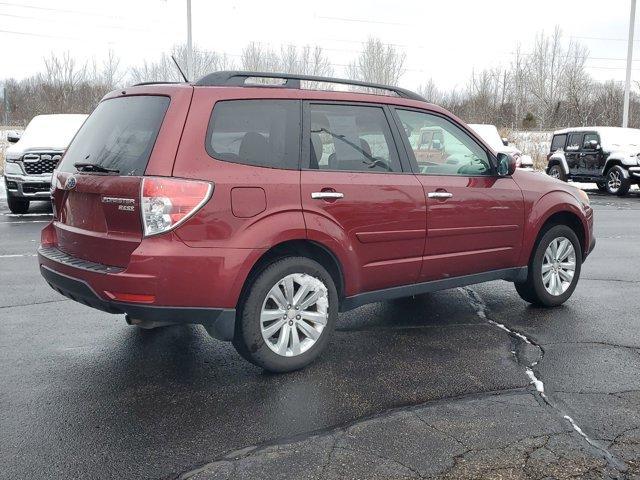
(265, 133)
(558, 142)
(588, 138)
(351, 138)
(575, 142)
(441, 147)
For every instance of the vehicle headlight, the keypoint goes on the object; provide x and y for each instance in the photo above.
(583, 197)
(11, 168)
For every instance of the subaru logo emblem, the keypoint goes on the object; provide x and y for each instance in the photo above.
(70, 183)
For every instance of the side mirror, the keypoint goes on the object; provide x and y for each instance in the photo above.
(505, 142)
(506, 165)
(13, 137)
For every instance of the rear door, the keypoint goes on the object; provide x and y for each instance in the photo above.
(356, 194)
(475, 218)
(96, 192)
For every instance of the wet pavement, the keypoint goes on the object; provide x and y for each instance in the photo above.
(415, 388)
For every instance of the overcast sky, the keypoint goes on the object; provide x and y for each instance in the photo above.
(443, 40)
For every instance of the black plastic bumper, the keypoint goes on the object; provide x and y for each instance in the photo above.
(219, 322)
(591, 247)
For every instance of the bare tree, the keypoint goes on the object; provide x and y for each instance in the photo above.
(257, 57)
(577, 86)
(378, 63)
(431, 92)
(109, 73)
(546, 69)
(164, 69)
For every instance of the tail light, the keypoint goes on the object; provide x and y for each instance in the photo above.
(168, 202)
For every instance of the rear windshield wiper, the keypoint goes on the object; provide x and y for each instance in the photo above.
(94, 167)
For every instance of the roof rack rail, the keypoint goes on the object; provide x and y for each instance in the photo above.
(154, 83)
(238, 78)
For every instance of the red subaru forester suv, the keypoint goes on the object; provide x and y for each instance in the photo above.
(260, 206)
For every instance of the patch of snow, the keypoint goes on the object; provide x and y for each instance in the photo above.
(536, 382)
(509, 331)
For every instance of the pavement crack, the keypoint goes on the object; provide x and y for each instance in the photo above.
(481, 310)
(446, 434)
(606, 344)
(381, 457)
(327, 463)
(35, 303)
(618, 280)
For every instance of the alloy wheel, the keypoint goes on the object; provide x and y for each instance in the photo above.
(294, 314)
(614, 181)
(558, 266)
(554, 172)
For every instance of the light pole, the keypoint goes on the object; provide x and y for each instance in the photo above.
(190, 46)
(627, 83)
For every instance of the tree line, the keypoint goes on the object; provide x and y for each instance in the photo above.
(545, 88)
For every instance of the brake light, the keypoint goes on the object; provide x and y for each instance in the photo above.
(168, 202)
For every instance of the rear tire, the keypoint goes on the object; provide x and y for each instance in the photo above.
(265, 337)
(616, 183)
(17, 205)
(553, 272)
(556, 171)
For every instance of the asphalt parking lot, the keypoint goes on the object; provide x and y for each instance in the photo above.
(466, 383)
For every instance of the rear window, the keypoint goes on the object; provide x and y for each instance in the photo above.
(119, 134)
(558, 142)
(265, 133)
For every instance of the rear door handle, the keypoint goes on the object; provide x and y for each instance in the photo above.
(439, 195)
(325, 195)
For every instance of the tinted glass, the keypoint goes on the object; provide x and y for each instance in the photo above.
(441, 147)
(265, 133)
(574, 142)
(351, 138)
(119, 134)
(589, 137)
(558, 142)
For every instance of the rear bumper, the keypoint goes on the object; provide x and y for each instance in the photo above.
(181, 284)
(220, 322)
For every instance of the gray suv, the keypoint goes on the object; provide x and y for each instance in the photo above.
(606, 156)
(30, 162)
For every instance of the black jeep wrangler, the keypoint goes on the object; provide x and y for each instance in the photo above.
(607, 156)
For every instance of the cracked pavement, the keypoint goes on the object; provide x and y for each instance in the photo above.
(431, 387)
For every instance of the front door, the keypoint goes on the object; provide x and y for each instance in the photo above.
(475, 218)
(572, 153)
(591, 155)
(356, 196)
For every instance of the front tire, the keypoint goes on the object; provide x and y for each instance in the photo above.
(287, 315)
(616, 182)
(17, 205)
(554, 268)
(556, 171)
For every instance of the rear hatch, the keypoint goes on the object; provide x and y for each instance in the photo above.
(96, 189)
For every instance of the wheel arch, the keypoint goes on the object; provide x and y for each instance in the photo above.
(560, 208)
(558, 158)
(298, 247)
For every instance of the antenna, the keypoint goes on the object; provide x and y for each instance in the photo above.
(179, 69)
